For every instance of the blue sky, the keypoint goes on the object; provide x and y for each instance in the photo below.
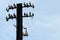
(45, 24)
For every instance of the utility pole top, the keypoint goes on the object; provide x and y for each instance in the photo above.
(19, 18)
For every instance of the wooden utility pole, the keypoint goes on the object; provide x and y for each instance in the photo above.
(19, 22)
